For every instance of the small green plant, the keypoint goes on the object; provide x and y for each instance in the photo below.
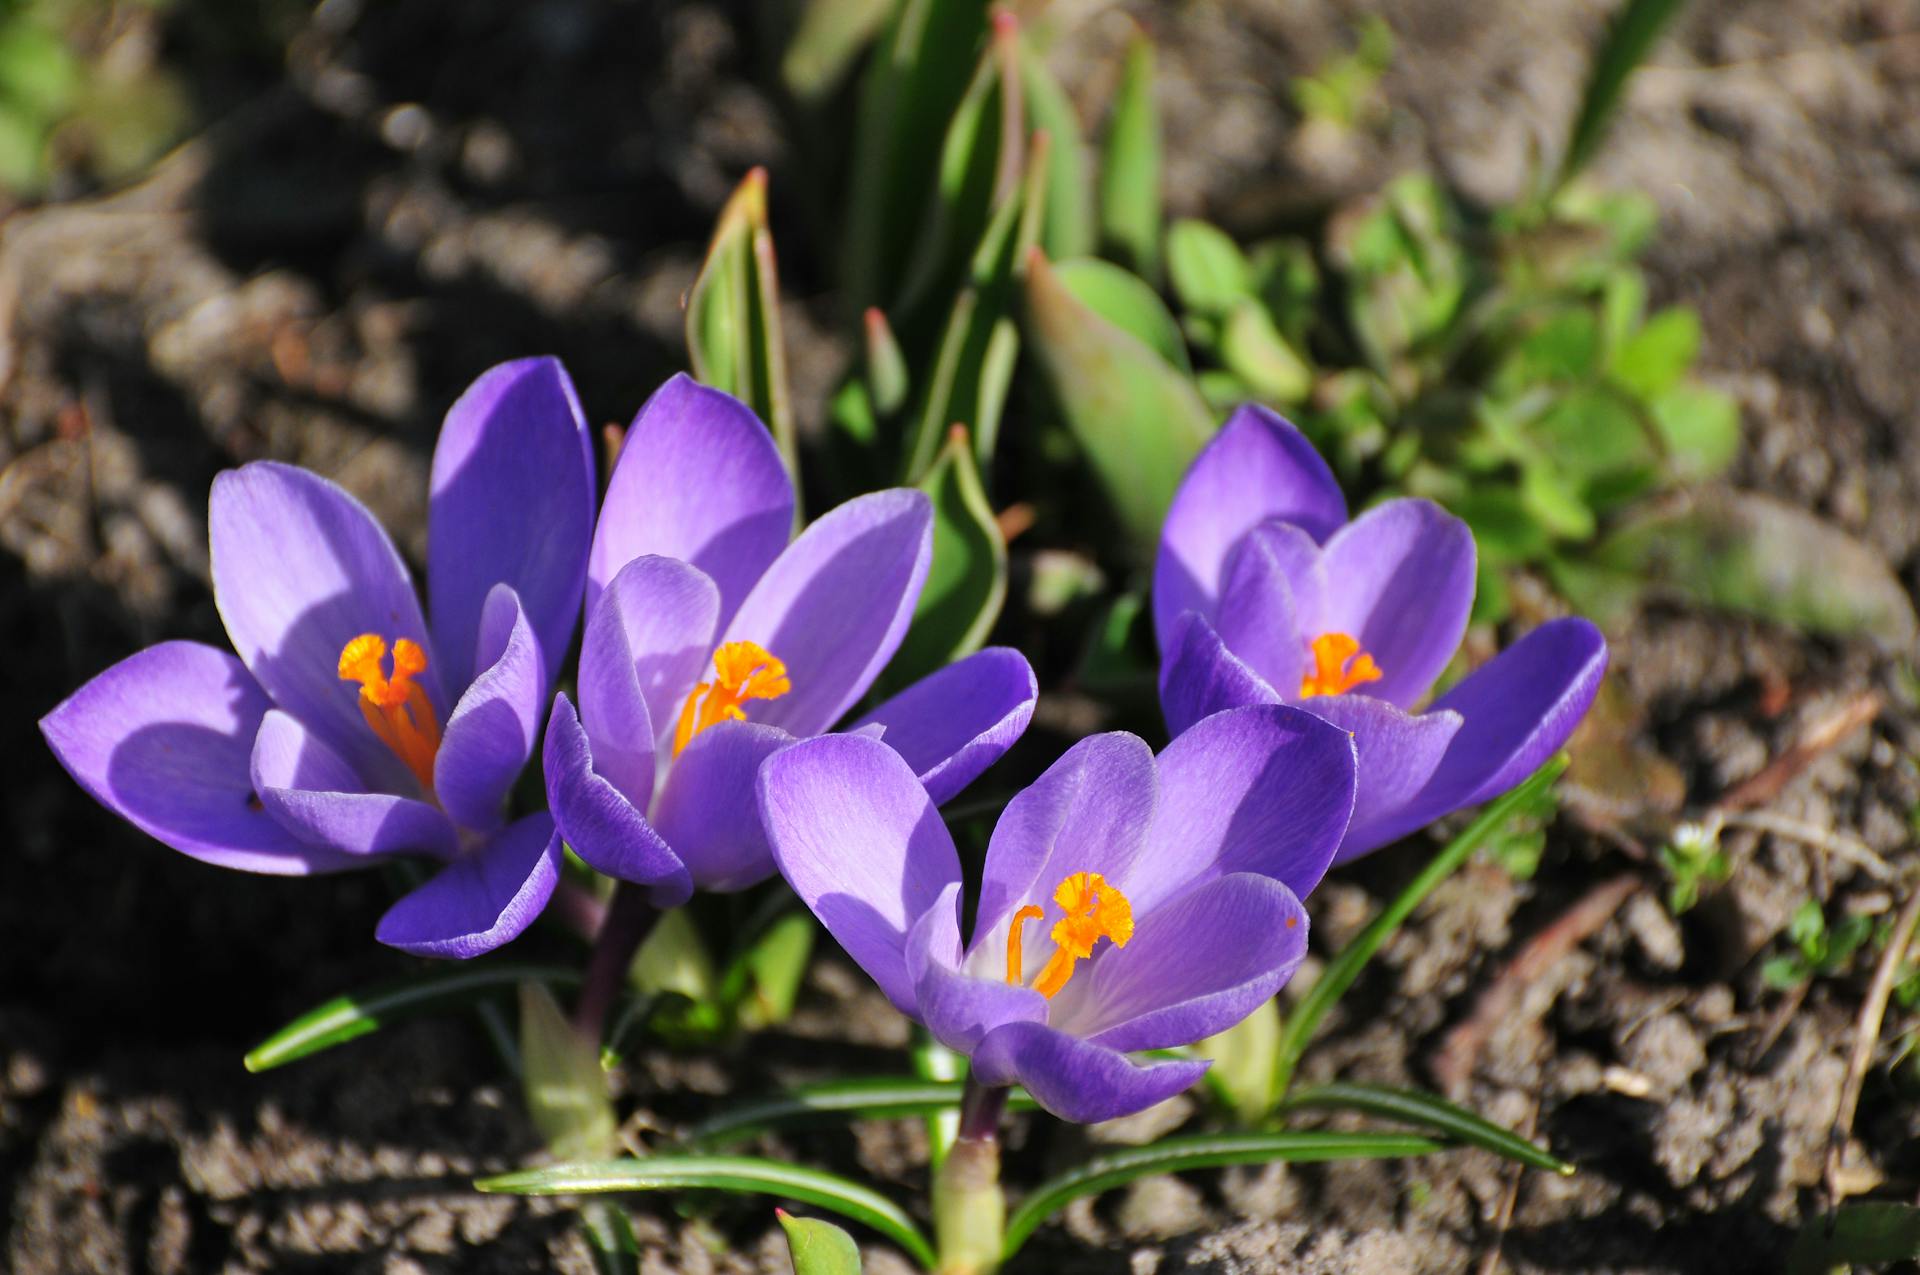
(1345, 91)
(1815, 949)
(1693, 860)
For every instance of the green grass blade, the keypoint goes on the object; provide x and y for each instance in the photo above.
(358, 1013)
(884, 1098)
(1203, 1151)
(1430, 1112)
(1344, 968)
(1629, 39)
(740, 1174)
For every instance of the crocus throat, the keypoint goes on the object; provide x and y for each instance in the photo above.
(396, 707)
(1339, 665)
(1094, 910)
(742, 671)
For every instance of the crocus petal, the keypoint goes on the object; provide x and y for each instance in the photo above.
(1271, 599)
(1396, 752)
(1088, 813)
(512, 503)
(953, 724)
(1076, 1079)
(313, 793)
(482, 900)
(1401, 579)
(493, 728)
(1256, 468)
(1515, 711)
(861, 843)
(605, 829)
(707, 810)
(1194, 967)
(698, 479)
(835, 605)
(300, 568)
(956, 1008)
(163, 739)
(646, 646)
(1267, 789)
(1199, 677)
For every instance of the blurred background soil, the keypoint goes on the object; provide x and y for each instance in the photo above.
(388, 197)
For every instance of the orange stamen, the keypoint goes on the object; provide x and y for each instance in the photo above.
(1094, 910)
(744, 671)
(395, 706)
(1339, 665)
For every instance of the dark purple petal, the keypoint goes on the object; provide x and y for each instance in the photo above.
(1199, 677)
(512, 503)
(493, 728)
(835, 605)
(956, 1007)
(1088, 813)
(1401, 579)
(605, 829)
(698, 479)
(647, 645)
(1397, 753)
(1267, 789)
(1271, 599)
(860, 842)
(163, 739)
(482, 900)
(1515, 711)
(1076, 1079)
(300, 569)
(1195, 967)
(1256, 468)
(707, 809)
(310, 791)
(953, 724)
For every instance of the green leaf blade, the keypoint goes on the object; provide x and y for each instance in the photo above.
(1630, 38)
(1130, 169)
(1430, 1112)
(818, 1247)
(359, 1013)
(745, 1175)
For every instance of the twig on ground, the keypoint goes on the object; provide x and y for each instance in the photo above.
(1454, 1061)
(1503, 1216)
(1762, 787)
(1866, 1036)
(1838, 844)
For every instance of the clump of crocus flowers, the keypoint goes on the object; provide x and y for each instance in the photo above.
(717, 729)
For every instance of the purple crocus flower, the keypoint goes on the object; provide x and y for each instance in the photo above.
(348, 730)
(1264, 593)
(711, 643)
(1128, 902)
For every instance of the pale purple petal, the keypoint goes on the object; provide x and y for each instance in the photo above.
(163, 739)
(835, 605)
(707, 809)
(300, 569)
(313, 793)
(512, 503)
(486, 898)
(953, 724)
(861, 843)
(1267, 789)
(1194, 967)
(605, 829)
(647, 645)
(1397, 753)
(698, 479)
(1199, 677)
(958, 1008)
(1258, 467)
(1271, 600)
(493, 728)
(1515, 711)
(1400, 579)
(1088, 813)
(1076, 1079)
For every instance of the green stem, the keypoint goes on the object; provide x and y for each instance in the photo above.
(1345, 968)
(969, 1208)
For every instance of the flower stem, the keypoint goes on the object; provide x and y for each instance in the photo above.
(969, 1208)
(629, 919)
